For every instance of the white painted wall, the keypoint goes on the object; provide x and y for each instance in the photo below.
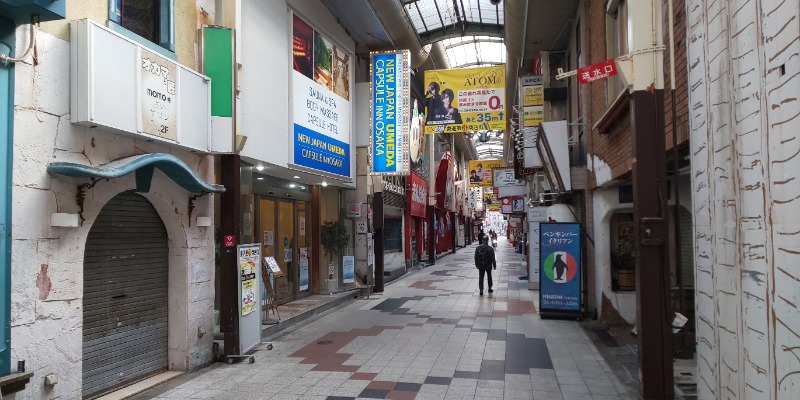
(744, 76)
(265, 36)
(606, 203)
(46, 318)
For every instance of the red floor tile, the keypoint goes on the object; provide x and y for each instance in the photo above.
(401, 395)
(385, 385)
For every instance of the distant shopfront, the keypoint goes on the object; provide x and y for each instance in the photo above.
(417, 199)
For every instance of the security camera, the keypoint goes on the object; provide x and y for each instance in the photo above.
(495, 2)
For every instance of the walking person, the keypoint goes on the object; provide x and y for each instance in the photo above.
(494, 239)
(481, 235)
(484, 262)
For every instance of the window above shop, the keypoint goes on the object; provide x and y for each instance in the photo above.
(151, 20)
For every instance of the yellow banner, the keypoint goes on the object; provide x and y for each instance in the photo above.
(465, 100)
(533, 95)
(480, 172)
(532, 115)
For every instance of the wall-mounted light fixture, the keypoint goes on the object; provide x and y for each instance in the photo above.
(65, 220)
(203, 221)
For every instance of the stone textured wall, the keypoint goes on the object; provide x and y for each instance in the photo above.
(47, 262)
(744, 77)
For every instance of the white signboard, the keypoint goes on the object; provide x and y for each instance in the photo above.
(159, 100)
(536, 215)
(505, 177)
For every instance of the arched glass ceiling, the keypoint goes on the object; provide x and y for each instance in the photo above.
(471, 51)
(471, 31)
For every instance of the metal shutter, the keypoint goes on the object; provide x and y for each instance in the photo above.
(124, 295)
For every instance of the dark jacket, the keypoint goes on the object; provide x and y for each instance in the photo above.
(491, 263)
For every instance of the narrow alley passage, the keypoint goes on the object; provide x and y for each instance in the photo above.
(428, 336)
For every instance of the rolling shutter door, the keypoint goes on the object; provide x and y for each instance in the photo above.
(125, 295)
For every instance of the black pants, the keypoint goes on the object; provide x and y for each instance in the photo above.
(488, 273)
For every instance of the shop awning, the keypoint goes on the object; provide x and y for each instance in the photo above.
(143, 165)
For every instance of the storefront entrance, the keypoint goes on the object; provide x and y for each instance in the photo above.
(283, 230)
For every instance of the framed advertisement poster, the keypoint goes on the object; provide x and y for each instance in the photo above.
(559, 269)
(249, 261)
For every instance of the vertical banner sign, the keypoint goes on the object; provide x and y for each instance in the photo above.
(348, 269)
(389, 112)
(158, 93)
(303, 264)
(532, 94)
(559, 269)
(249, 256)
(320, 102)
(465, 100)
(480, 172)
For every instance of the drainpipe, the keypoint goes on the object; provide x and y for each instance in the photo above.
(7, 41)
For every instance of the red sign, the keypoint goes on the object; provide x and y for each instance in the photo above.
(418, 195)
(597, 71)
(230, 241)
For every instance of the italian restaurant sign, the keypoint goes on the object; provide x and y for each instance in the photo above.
(389, 112)
(465, 100)
(320, 102)
(559, 268)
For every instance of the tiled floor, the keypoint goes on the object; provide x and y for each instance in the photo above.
(428, 336)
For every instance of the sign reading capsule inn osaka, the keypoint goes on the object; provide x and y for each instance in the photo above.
(321, 79)
(389, 112)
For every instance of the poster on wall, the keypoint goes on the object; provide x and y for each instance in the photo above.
(559, 269)
(269, 238)
(320, 102)
(465, 99)
(158, 96)
(348, 269)
(303, 274)
(389, 112)
(481, 172)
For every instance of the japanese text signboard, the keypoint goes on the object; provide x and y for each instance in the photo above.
(159, 104)
(465, 100)
(389, 112)
(559, 268)
(597, 71)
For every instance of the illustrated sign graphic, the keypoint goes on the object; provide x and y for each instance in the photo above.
(504, 177)
(389, 112)
(159, 99)
(559, 262)
(320, 102)
(229, 241)
(465, 100)
(601, 70)
(481, 172)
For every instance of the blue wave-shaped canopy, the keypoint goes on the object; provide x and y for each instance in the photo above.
(143, 165)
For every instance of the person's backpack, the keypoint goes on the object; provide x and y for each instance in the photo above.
(483, 257)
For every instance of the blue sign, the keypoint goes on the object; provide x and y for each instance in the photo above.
(559, 268)
(320, 152)
(389, 113)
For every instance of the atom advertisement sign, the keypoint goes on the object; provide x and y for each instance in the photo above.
(559, 269)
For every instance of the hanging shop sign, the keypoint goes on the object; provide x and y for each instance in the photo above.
(354, 210)
(389, 112)
(491, 201)
(320, 102)
(506, 205)
(594, 72)
(504, 177)
(465, 100)
(480, 172)
(559, 269)
(418, 196)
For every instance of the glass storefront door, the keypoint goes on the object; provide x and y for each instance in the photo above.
(283, 227)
